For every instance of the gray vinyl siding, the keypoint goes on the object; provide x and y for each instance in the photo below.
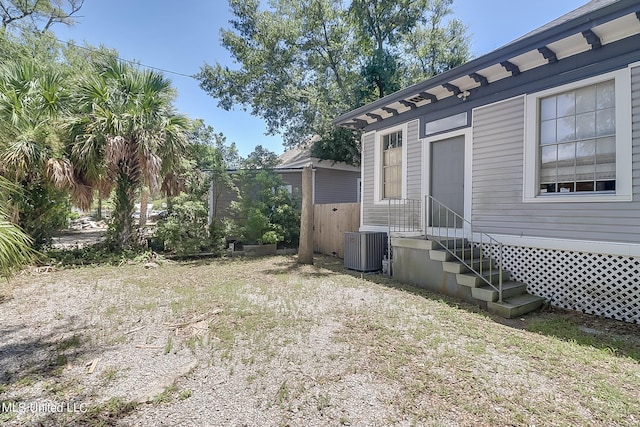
(414, 161)
(294, 179)
(377, 214)
(635, 121)
(370, 212)
(336, 186)
(497, 206)
(222, 203)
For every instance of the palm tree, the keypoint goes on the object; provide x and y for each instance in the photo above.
(32, 97)
(15, 244)
(124, 134)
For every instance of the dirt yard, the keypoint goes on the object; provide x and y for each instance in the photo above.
(266, 342)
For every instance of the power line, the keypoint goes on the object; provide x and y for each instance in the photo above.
(90, 49)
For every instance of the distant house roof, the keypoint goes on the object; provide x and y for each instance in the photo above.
(294, 156)
(589, 27)
(297, 157)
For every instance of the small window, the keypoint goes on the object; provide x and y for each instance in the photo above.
(392, 165)
(389, 164)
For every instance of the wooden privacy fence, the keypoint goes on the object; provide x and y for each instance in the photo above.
(330, 222)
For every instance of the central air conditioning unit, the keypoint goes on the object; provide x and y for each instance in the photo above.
(364, 250)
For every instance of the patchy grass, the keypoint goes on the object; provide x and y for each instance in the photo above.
(105, 414)
(294, 344)
(569, 329)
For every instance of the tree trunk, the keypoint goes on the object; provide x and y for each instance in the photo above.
(305, 251)
(122, 229)
(99, 213)
(144, 199)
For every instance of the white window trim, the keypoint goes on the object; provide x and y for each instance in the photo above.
(624, 176)
(377, 159)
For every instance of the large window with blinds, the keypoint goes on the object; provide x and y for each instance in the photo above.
(578, 141)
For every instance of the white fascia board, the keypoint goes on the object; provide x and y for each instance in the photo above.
(586, 246)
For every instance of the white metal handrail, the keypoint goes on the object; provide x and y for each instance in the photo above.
(449, 220)
(404, 215)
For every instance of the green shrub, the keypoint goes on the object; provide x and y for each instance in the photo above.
(265, 206)
(270, 238)
(43, 209)
(185, 230)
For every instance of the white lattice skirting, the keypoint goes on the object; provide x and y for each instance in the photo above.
(603, 285)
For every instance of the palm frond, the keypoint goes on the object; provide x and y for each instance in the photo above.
(15, 248)
(151, 165)
(116, 149)
(15, 244)
(105, 187)
(61, 172)
(172, 184)
(23, 156)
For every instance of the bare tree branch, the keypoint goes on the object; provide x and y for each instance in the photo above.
(42, 14)
(59, 15)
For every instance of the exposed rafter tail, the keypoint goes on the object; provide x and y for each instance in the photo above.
(391, 111)
(548, 54)
(452, 88)
(479, 79)
(592, 38)
(511, 67)
(429, 96)
(408, 104)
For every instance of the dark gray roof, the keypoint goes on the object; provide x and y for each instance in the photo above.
(592, 6)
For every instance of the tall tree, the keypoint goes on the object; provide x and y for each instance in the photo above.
(380, 27)
(434, 47)
(296, 71)
(124, 134)
(210, 154)
(34, 99)
(304, 62)
(38, 15)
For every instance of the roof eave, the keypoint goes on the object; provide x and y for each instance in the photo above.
(524, 44)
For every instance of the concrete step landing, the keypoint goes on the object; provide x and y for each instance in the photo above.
(515, 306)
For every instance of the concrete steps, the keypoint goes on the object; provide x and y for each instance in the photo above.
(489, 294)
(457, 267)
(466, 254)
(473, 280)
(515, 306)
(515, 299)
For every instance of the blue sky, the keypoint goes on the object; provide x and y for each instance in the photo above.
(180, 36)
